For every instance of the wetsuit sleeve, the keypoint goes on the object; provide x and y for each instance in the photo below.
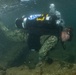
(48, 44)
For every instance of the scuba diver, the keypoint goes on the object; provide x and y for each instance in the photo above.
(44, 24)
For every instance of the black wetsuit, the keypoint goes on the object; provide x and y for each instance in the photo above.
(37, 28)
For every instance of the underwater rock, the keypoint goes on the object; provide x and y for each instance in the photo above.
(45, 69)
(16, 35)
(2, 72)
(11, 44)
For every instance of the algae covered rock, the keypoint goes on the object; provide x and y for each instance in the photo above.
(16, 35)
(45, 69)
(11, 44)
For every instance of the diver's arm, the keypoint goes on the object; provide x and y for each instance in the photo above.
(48, 45)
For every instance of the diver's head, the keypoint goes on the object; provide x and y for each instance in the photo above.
(18, 22)
(66, 34)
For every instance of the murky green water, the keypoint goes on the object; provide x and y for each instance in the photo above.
(12, 50)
